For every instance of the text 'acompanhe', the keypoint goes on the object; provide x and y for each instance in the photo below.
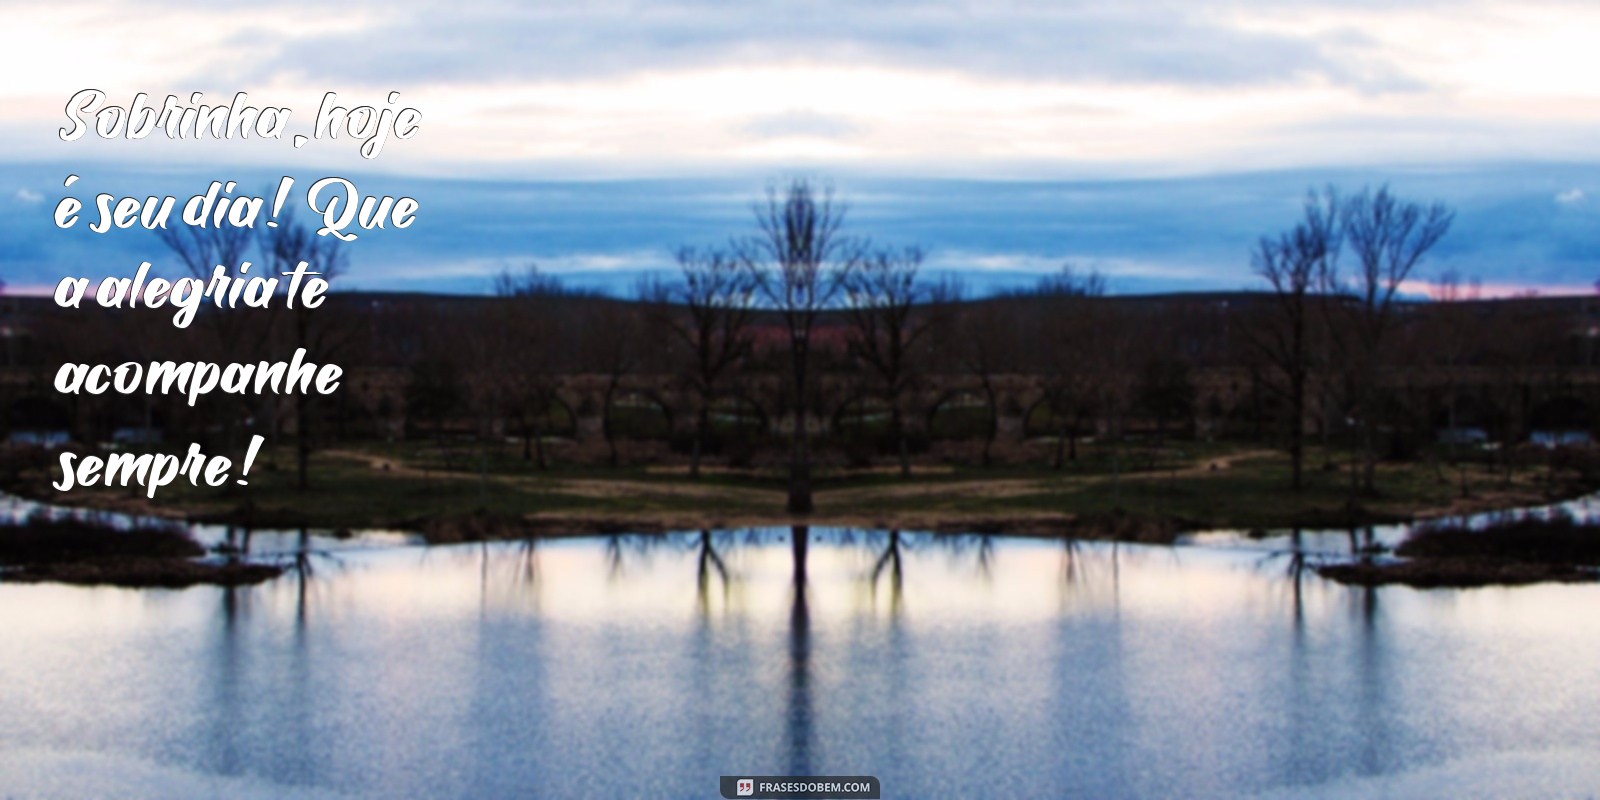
(199, 378)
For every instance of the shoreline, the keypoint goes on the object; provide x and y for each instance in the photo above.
(90, 552)
(1119, 525)
(1241, 491)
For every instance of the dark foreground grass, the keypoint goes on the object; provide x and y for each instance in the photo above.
(40, 540)
(1453, 573)
(88, 552)
(1516, 550)
(1192, 487)
(1250, 494)
(1559, 540)
(344, 493)
(505, 459)
(348, 492)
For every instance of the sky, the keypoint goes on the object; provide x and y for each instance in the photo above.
(1155, 140)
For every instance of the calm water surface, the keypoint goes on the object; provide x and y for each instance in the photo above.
(946, 666)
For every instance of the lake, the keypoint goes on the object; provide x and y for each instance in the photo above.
(647, 666)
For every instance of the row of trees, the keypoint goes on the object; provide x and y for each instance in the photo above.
(252, 335)
(802, 293)
(799, 294)
(799, 265)
(1338, 322)
(801, 314)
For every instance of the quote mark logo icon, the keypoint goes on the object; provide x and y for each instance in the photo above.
(745, 787)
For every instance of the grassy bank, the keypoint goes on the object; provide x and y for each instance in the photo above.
(1513, 551)
(90, 553)
(1146, 494)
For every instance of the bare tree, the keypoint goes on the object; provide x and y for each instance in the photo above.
(890, 311)
(287, 247)
(612, 345)
(1294, 263)
(1454, 335)
(1165, 391)
(710, 313)
(1110, 342)
(986, 345)
(1064, 326)
(1388, 238)
(237, 335)
(524, 355)
(201, 251)
(800, 258)
(436, 386)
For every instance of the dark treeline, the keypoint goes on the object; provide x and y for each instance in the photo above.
(801, 341)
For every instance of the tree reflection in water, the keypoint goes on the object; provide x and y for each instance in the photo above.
(518, 560)
(1297, 573)
(794, 684)
(1091, 572)
(625, 552)
(889, 561)
(707, 563)
(231, 695)
(978, 546)
(798, 721)
(1299, 563)
(1372, 702)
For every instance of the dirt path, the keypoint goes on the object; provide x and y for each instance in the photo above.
(610, 489)
(1022, 487)
(598, 488)
(601, 488)
(383, 464)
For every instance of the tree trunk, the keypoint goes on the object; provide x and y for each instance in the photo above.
(1355, 474)
(1297, 432)
(994, 423)
(302, 442)
(1116, 471)
(800, 469)
(700, 424)
(605, 424)
(302, 416)
(799, 453)
(538, 446)
(1369, 464)
(900, 439)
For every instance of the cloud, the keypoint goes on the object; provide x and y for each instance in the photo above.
(801, 123)
(1570, 196)
(1146, 235)
(619, 88)
(28, 196)
(1170, 42)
